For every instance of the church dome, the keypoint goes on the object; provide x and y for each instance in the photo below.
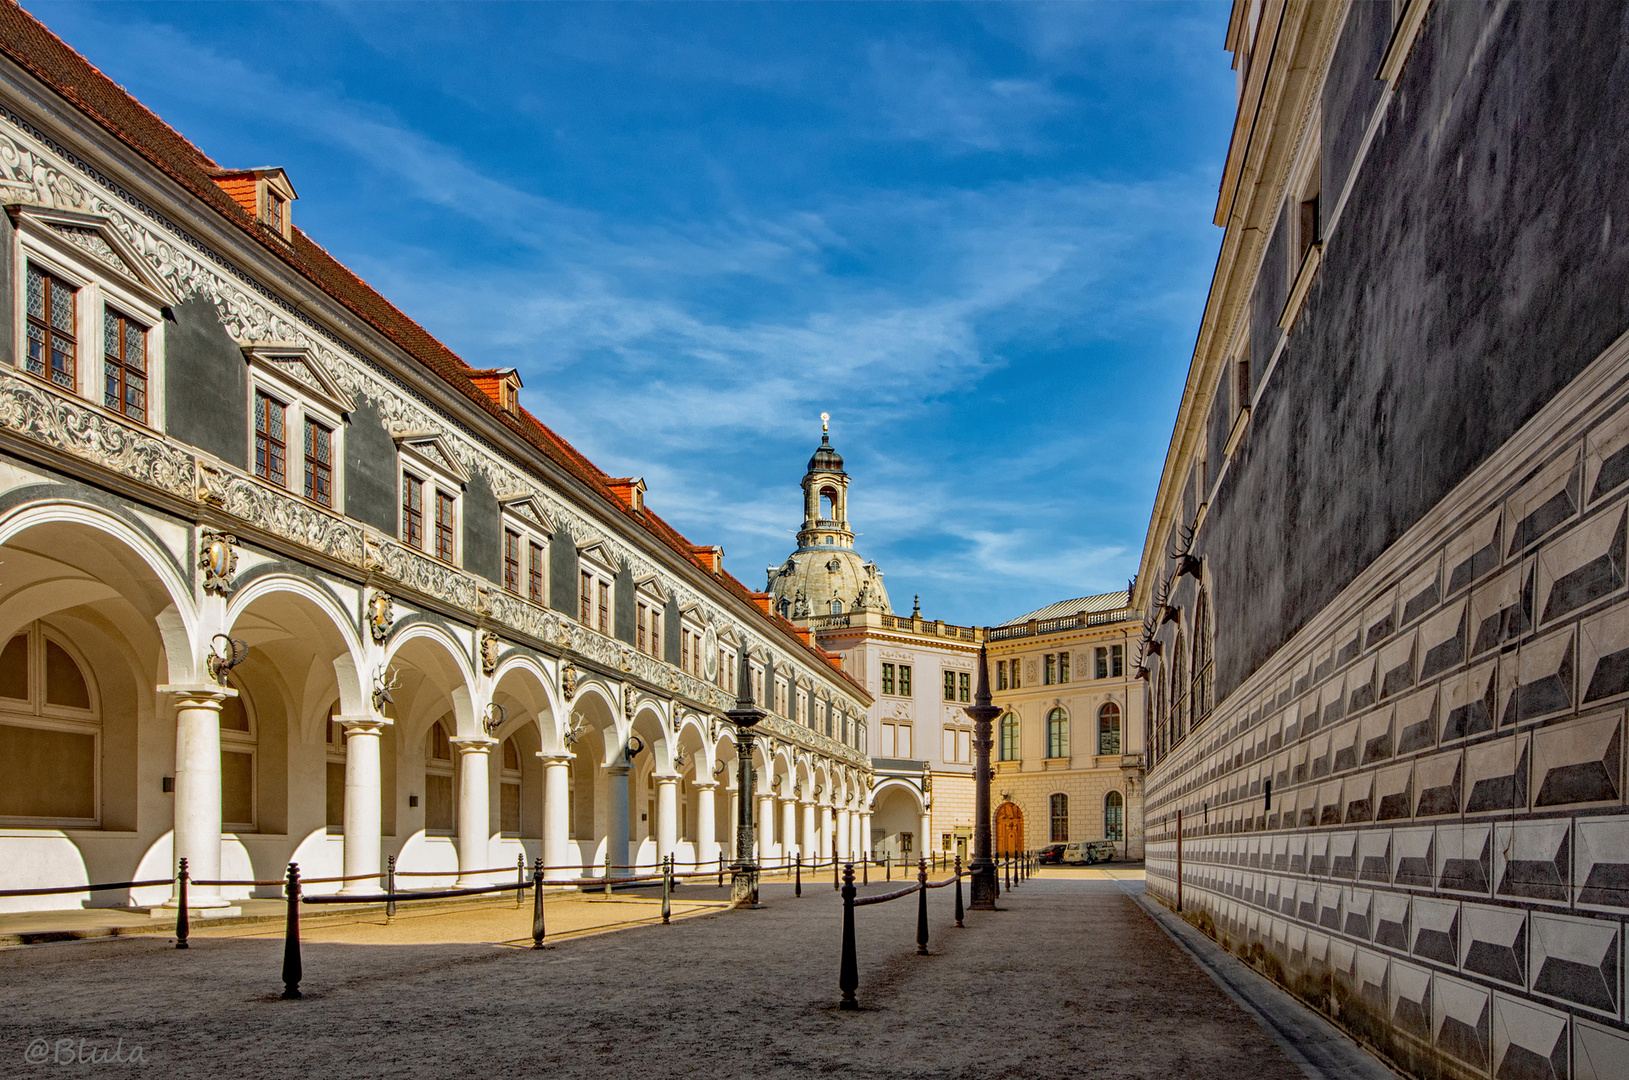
(826, 459)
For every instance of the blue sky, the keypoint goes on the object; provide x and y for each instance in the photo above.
(978, 236)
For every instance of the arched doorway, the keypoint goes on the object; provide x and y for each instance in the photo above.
(1009, 829)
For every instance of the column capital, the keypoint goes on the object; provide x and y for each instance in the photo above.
(363, 725)
(704, 785)
(199, 695)
(670, 778)
(473, 744)
(551, 758)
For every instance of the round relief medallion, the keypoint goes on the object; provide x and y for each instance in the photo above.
(709, 656)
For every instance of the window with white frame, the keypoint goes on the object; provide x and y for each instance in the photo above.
(91, 313)
(692, 646)
(594, 590)
(648, 612)
(525, 557)
(298, 423)
(432, 488)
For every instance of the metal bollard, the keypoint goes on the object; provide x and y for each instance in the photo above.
(520, 879)
(721, 869)
(834, 884)
(959, 892)
(182, 928)
(537, 904)
(667, 888)
(797, 890)
(865, 871)
(608, 869)
(888, 868)
(1007, 868)
(390, 888)
(848, 975)
(922, 907)
(292, 971)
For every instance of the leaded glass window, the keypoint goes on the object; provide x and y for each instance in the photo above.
(52, 347)
(271, 448)
(124, 365)
(319, 463)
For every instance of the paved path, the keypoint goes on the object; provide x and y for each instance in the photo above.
(1073, 979)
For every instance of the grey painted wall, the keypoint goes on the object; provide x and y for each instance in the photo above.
(1478, 267)
(563, 572)
(1267, 301)
(622, 607)
(371, 470)
(1351, 93)
(8, 288)
(670, 631)
(206, 383)
(483, 530)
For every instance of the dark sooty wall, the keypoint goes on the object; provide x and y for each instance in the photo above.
(1481, 262)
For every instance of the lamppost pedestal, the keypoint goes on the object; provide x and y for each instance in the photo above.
(744, 870)
(982, 871)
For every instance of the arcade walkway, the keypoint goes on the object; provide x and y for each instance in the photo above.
(1073, 979)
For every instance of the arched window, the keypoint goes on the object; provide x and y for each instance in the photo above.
(1060, 818)
(1108, 729)
(1114, 816)
(335, 754)
(1179, 692)
(1200, 696)
(1057, 734)
(836, 607)
(50, 735)
(438, 778)
(1009, 737)
(1161, 716)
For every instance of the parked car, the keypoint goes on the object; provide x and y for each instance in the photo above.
(1087, 852)
(1052, 854)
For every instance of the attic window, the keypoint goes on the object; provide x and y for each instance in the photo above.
(502, 385)
(265, 194)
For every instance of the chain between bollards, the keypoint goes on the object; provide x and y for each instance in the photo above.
(292, 971)
(537, 904)
(921, 907)
(848, 975)
(667, 888)
(182, 927)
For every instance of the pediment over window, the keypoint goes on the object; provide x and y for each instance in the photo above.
(296, 364)
(96, 238)
(529, 509)
(599, 553)
(432, 449)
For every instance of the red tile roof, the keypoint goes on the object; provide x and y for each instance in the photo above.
(26, 42)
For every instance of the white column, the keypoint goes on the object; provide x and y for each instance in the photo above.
(856, 850)
(826, 848)
(198, 788)
(616, 818)
(808, 843)
(363, 801)
(706, 824)
(926, 846)
(766, 825)
(789, 827)
(842, 834)
(557, 854)
(865, 832)
(667, 816)
(474, 810)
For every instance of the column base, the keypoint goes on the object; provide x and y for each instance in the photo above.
(984, 888)
(365, 887)
(744, 886)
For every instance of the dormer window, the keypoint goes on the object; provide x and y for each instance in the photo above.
(265, 194)
(502, 385)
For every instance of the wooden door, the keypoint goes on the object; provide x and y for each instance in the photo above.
(1009, 829)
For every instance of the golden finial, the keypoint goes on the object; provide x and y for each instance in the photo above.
(825, 421)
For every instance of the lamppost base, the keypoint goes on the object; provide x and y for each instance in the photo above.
(984, 888)
(744, 887)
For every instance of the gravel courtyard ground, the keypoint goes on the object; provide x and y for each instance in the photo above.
(1072, 979)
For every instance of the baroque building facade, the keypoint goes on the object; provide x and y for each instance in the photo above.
(1068, 765)
(1387, 636)
(919, 673)
(287, 580)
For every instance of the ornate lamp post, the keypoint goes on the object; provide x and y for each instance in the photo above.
(744, 870)
(982, 871)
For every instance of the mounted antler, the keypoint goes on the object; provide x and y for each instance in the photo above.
(1186, 561)
(384, 681)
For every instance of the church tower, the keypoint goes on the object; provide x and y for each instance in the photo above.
(825, 576)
